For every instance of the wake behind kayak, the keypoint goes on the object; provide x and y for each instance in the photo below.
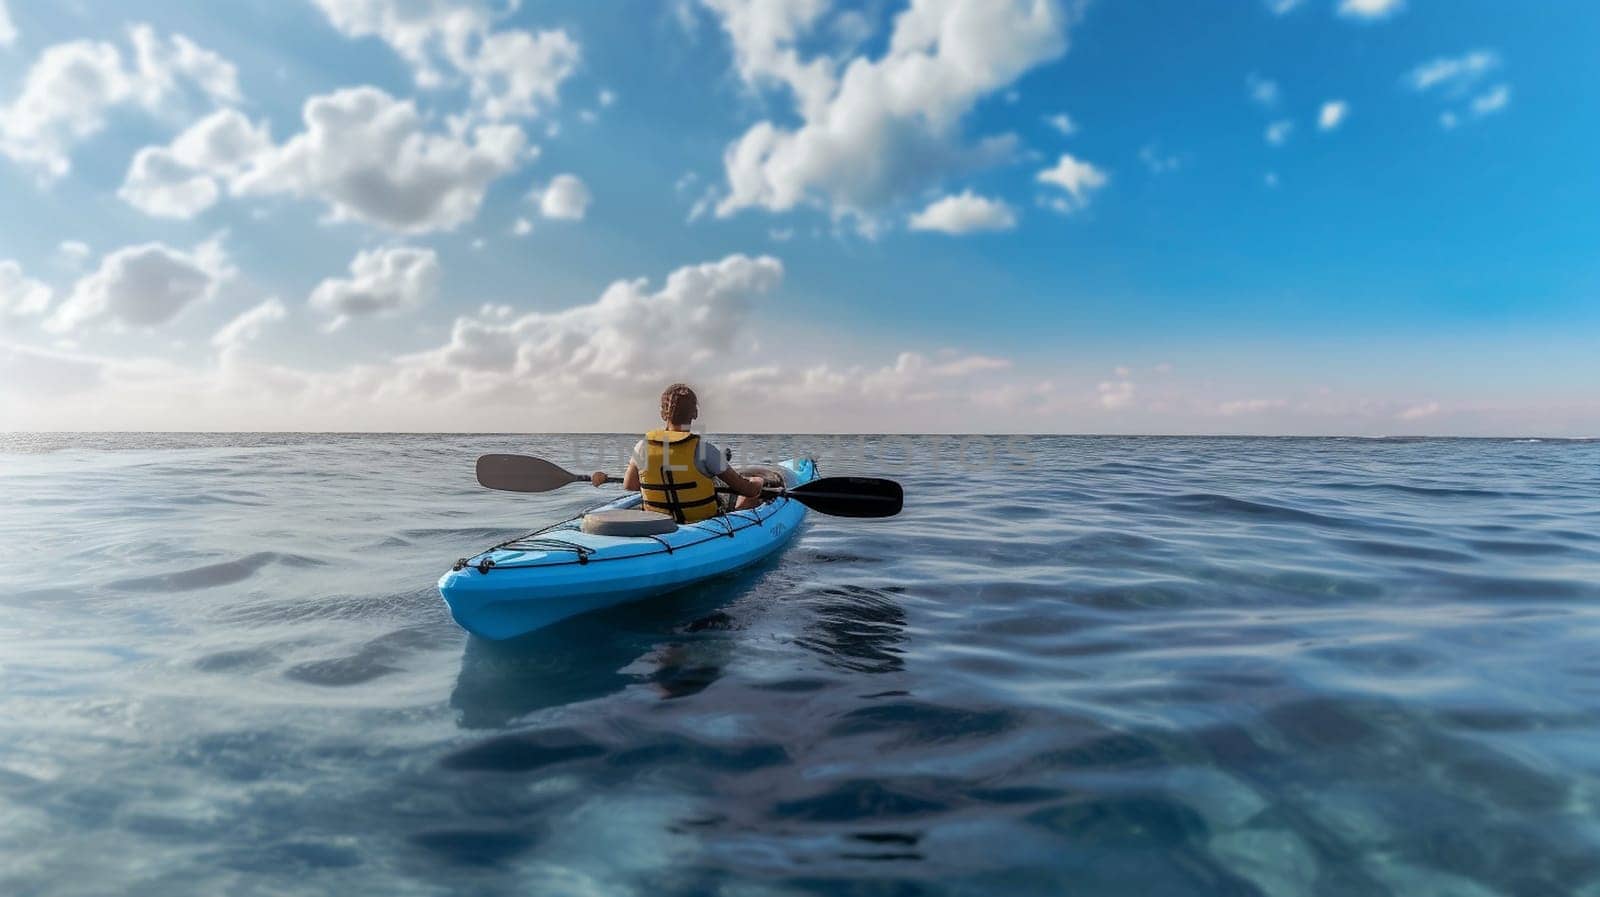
(560, 571)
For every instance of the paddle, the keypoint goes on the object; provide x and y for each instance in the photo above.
(522, 473)
(838, 496)
(848, 496)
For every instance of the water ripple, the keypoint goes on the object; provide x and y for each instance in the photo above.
(1162, 665)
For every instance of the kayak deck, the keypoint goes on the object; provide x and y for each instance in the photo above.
(560, 571)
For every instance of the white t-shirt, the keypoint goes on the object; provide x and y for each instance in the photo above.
(708, 458)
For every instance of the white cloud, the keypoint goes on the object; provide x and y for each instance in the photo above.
(223, 142)
(1062, 123)
(704, 203)
(913, 376)
(607, 97)
(43, 375)
(1332, 114)
(686, 15)
(564, 198)
(1249, 406)
(1077, 178)
(873, 131)
(630, 338)
(181, 180)
(248, 326)
(965, 213)
(8, 31)
(1370, 10)
(73, 253)
(68, 91)
(1278, 132)
(1454, 75)
(144, 286)
(1454, 78)
(1262, 90)
(1419, 412)
(864, 391)
(21, 296)
(166, 66)
(1115, 393)
(967, 365)
(423, 32)
(598, 365)
(1283, 7)
(510, 72)
(63, 100)
(369, 158)
(382, 282)
(764, 35)
(157, 184)
(1491, 101)
(519, 73)
(522, 227)
(1158, 162)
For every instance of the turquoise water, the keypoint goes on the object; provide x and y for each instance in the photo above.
(1074, 665)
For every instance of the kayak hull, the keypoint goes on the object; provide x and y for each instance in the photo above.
(559, 573)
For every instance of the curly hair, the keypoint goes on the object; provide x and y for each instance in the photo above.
(679, 404)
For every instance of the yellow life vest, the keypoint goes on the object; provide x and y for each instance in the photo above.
(671, 482)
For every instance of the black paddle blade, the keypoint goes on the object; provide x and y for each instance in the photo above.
(851, 496)
(522, 473)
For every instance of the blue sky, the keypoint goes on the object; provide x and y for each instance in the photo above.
(1332, 216)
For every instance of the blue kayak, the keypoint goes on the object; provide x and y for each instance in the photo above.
(558, 572)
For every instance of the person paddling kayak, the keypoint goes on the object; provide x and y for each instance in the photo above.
(555, 572)
(674, 469)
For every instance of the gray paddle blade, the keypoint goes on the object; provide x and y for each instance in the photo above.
(521, 473)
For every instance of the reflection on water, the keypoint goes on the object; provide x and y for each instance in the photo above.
(856, 629)
(677, 645)
(581, 660)
(1166, 666)
(500, 682)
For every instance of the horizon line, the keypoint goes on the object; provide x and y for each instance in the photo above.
(1095, 435)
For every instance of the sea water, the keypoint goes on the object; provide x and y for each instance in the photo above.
(1073, 665)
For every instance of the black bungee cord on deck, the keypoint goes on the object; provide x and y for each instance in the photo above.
(539, 541)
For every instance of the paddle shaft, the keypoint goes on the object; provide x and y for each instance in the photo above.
(795, 494)
(839, 503)
(836, 496)
(612, 478)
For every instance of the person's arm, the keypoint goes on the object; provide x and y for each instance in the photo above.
(714, 462)
(630, 479)
(749, 487)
